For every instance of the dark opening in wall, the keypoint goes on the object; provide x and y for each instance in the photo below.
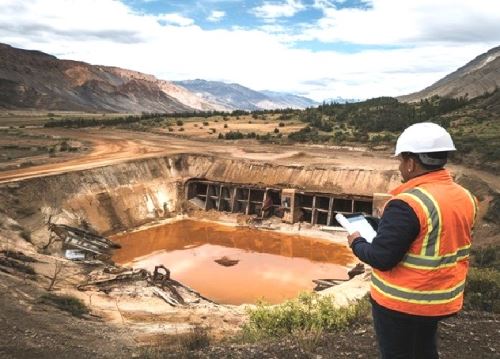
(342, 205)
(322, 202)
(322, 218)
(305, 200)
(306, 215)
(225, 206)
(275, 197)
(256, 195)
(363, 206)
(314, 208)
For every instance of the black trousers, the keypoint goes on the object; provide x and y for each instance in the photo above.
(402, 336)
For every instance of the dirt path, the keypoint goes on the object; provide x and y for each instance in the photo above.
(110, 146)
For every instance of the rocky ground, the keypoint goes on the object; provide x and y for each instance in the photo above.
(31, 329)
(468, 335)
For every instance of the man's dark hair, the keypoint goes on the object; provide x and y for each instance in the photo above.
(430, 161)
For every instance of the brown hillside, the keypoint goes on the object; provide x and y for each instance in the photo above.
(33, 79)
(474, 79)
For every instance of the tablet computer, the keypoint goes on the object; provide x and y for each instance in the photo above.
(357, 223)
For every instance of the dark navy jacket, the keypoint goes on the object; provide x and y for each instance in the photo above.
(397, 230)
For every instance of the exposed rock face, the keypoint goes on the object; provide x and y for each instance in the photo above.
(474, 79)
(33, 79)
(235, 96)
(129, 194)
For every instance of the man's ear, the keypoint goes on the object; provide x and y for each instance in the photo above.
(412, 164)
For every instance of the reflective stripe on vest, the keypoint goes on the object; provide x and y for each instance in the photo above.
(418, 297)
(449, 260)
(429, 257)
(474, 203)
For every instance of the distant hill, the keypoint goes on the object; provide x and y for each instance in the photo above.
(33, 79)
(339, 99)
(287, 100)
(235, 96)
(474, 79)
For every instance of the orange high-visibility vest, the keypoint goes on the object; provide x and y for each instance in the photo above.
(430, 279)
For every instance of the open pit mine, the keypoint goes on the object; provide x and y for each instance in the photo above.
(158, 245)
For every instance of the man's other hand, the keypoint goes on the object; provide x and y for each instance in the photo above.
(352, 237)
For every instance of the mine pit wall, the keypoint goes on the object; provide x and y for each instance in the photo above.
(126, 195)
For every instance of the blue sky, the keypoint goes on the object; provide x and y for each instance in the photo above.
(317, 48)
(291, 16)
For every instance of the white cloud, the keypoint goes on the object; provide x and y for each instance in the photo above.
(108, 32)
(323, 4)
(175, 19)
(408, 22)
(274, 10)
(216, 16)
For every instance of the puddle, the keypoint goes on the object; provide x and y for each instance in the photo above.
(259, 265)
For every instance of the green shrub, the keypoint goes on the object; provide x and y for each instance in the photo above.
(482, 290)
(309, 311)
(69, 304)
(234, 135)
(179, 123)
(486, 257)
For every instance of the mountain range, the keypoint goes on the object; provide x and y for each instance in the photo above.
(36, 80)
(236, 96)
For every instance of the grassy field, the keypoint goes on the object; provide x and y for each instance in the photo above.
(212, 127)
(20, 148)
(17, 118)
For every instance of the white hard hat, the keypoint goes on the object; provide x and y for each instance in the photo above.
(424, 137)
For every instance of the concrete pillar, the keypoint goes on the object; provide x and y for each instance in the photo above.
(290, 207)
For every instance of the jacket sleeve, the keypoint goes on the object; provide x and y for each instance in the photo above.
(397, 230)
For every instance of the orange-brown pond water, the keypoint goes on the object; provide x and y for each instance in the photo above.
(271, 266)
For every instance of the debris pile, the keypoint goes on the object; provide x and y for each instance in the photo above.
(127, 281)
(79, 244)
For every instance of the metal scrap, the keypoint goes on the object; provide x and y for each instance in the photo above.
(80, 244)
(160, 283)
(322, 284)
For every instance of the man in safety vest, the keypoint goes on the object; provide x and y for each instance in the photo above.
(420, 254)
